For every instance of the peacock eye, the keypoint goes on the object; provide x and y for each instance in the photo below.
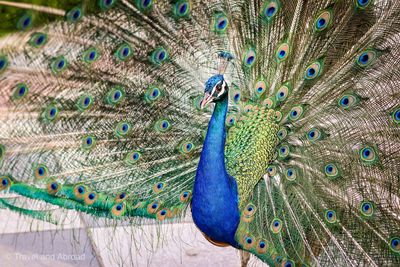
(219, 87)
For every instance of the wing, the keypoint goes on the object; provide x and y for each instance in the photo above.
(249, 148)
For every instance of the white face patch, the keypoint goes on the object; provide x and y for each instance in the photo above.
(215, 93)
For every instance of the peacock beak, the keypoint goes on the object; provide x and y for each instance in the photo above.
(207, 99)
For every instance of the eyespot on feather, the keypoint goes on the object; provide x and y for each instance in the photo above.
(269, 103)
(284, 151)
(20, 91)
(133, 157)
(58, 65)
(123, 129)
(348, 100)
(314, 70)
(261, 246)
(40, 171)
(366, 58)
(291, 174)
(276, 226)
(144, 6)
(282, 52)
(220, 23)
(250, 209)
(153, 93)
(185, 196)
(368, 155)
(260, 87)
(123, 52)
(231, 119)
(53, 187)
(394, 244)
(84, 102)
(153, 207)
(5, 182)
(38, 39)
(331, 171)
(396, 115)
(296, 113)
(74, 15)
(269, 10)
(248, 242)
(159, 56)
(121, 197)
(3, 63)
(118, 209)
(106, 4)
(90, 55)
(162, 125)
(115, 95)
(90, 198)
(330, 216)
(314, 134)
(283, 92)
(186, 147)
(25, 22)
(159, 187)
(362, 4)
(80, 191)
(249, 58)
(288, 263)
(367, 208)
(323, 20)
(182, 9)
(163, 214)
(272, 170)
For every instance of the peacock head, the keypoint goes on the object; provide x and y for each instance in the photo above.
(215, 90)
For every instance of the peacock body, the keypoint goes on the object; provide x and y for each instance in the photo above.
(105, 111)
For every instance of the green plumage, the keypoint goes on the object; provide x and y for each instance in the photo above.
(100, 113)
(250, 147)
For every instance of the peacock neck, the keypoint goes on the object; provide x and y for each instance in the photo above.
(214, 144)
(215, 196)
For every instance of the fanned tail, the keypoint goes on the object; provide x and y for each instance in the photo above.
(330, 197)
(100, 114)
(99, 111)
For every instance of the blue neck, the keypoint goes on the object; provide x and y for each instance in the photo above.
(215, 197)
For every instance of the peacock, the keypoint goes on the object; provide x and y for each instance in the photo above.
(275, 124)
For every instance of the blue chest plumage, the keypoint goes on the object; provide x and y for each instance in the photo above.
(215, 196)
